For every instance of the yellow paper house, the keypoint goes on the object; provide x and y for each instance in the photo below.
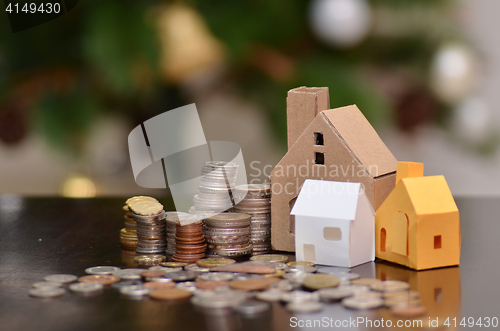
(418, 225)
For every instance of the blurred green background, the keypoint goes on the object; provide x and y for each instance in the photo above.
(72, 89)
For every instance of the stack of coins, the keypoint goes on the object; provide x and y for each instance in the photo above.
(190, 243)
(171, 218)
(151, 227)
(128, 235)
(228, 235)
(214, 193)
(255, 200)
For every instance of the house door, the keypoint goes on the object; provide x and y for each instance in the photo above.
(400, 233)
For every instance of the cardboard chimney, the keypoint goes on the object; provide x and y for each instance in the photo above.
(337, 145)
(418, 225)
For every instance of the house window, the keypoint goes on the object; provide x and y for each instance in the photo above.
(319, 158)
(437, 242)
(318, 139)
(383, 238)
(332, 234)
(309, 252)
(438, 294)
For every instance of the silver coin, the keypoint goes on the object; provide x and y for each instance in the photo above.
(129, 274)
(119, 285)
(362, 302)
(272, 295)
(166, 269)
(300, 297)
(195, 267)
(216, 276)
(47, 284)
(305, 307)
(61, 278)
(335, 294)
(301, 268)
(296, 277)
(135, 290)
(187, 286)
(252, 307)
(217, 299)
(86, 288)
(47, 292)
(102, 270)
(283, 285)
(182, 276)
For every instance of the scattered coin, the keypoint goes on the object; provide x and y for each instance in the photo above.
(218, 299)
(119, 285)
(61, 278)
(173, 294)
(135, 290)
(166, 269)
(86, 288)
(195, 267)
(101, 270)
(272, 295)
(294, 264)
(47, 292)
(214, 262)
(247, 267)
(147, 260)
(209, 284)
(318, 281)
(250, 284)
(173, 264)
(129, 274)
(306, 307)
(47, 284)
(270, 258)
(159, 285)
(390, 286)
(99, 279)
(152, 273)
(187, 286)
(362, 302)
(183, 276)
(301, 268)
(216, 276)
(252, 307)
(300, 297)
(335, 294)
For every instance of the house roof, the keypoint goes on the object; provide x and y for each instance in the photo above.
(429, 194)
(362, 139)
(323, 198)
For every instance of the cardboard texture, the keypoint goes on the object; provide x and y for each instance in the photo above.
(336, 145)
(439, 289)
(418, 225)
(334, 224)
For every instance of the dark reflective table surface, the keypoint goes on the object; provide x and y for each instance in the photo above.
(42, 236)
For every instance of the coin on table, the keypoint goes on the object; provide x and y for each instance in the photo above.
(195, 267)
(278, 274)
(47, 292)
(318, 281)
(250, 284)
(366, 281)
(149, 259)
(408, 310)
(272, 295)
(362, 302)
(86, 288)
(216, 276)
(300, 297)
(173, 264)
(119, 285)
(182, 276)
(301, 268)
(306, 307)
(152, 273)
(146, 208)
(129, 274)
(135, 290)
(294, 264)
(347, 276)
(390, 286)
(61, 278)
(209, 284)
(252, 307)
(214, 262)
(47, 284)
(102, 270)
(335, 293)
(270, 258)
(99, 279)
(173, 294)
(159, 285)
(187, 286)
(165, 269)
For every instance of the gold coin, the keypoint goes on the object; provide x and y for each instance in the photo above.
(214, 262)
(170, 294)
(270, 258)
(319, 281)
(257, 284)
(365, 281)
(132, 200)
(147, 208)
(149, 259)
(173, 264)
(99, 279)
(294, 264)
(279, 273)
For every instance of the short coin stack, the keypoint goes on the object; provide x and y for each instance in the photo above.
(151, 227)
(214, 194)
(128, 235)
(228, 235)
(190, 245)
(255, 200)
(171, 218)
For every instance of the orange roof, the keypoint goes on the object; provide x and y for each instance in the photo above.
(429, 194)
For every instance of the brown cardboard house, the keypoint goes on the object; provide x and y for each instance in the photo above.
(338, 145)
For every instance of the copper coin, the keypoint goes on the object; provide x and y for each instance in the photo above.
(250, 284)
(152, 273)
(104, 280)
(247, 267)
(170, 294)
(209, 284)
(159, 285)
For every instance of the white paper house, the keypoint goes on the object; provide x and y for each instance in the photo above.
(334, 224)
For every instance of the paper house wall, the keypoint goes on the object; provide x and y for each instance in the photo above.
(334, 224)
(418, 225)
(336, 145)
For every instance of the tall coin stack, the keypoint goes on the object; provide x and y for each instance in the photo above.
(214, 194)
(151, 227)
(228, 235)
(255, 200)
(128, 235)
(190, 245)
(172, 217)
